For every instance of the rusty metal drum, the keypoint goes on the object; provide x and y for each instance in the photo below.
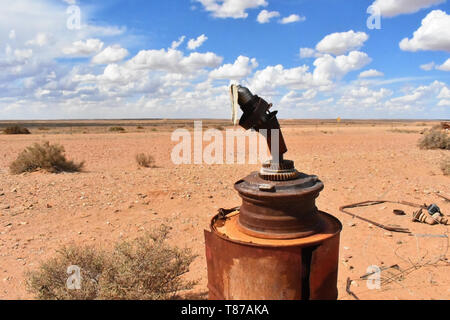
(244, 267)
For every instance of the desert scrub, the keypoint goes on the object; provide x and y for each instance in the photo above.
(445, 166)
(49, 282)
(435, 139)
(117, 129)
(144, 269)
(46, 157)
(16, 130)
(146, 161)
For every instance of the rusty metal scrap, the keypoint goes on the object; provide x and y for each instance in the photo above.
(372, 203)
(347, 289)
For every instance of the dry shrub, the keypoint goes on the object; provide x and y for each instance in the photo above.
(144, 269)
(146, 161)
(117, 129)
(50, 281)
(435, 139)
(445, 166)
(44, 156)
(16, 130)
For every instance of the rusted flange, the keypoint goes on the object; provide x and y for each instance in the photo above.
(287, 210)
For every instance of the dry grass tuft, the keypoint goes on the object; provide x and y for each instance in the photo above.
(117, 129)
(44, 156)
(144, 269)
(435, 139)
(16, 130)
(146, 161)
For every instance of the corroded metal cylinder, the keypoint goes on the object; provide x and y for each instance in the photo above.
(245, 267)
(279, 209)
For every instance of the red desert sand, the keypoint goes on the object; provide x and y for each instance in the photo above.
(113, 199)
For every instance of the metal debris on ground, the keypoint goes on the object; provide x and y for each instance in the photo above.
(398, 212)
(350, 292)
(432, 216)
(372, 203)
(443, 197)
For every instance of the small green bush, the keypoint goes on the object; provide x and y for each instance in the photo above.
(435, 139)
(144, 269)
(44, 156)
(16, 130)
(146, 161)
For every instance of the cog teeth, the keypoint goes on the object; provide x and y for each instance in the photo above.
(280, 176)
(282, 171)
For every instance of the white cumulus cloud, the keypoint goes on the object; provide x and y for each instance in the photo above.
(428, 66)
(392, 8)
(329, 67)
(265, 16)
(196, 43)
(111, 54)
(342, 42)
(241, 68)
(174, 61)
(307, 53)
(433, 34)
(84, 48)
(445, 66)
(40, 40)
(292, 18)
(231, 8)
(372, 73)
(179, 42)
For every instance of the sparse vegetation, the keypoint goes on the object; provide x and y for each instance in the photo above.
(16, 130)
(404, 131)
(435, 139)
(445, 166)
(140, 127)
(144, 269)
(117, 129)
(46, 157)
(146, 161)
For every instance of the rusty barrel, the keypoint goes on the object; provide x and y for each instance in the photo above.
(244, 267)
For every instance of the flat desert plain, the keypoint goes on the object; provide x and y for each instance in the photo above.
(114, 199)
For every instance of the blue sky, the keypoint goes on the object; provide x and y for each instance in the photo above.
(312, 59)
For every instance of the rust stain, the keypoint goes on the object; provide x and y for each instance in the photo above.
(264, 269)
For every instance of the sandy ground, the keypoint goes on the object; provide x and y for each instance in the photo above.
(113, 200)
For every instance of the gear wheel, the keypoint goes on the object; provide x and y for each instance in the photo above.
(282, 171)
